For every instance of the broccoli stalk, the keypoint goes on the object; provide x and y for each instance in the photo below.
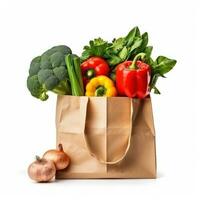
(62, 89)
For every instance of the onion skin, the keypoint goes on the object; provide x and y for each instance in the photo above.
(41, 170)
(58, 156)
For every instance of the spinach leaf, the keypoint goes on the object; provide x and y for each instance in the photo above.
(135, 32)
(160, 66)
(137, 43)
(148, 50)
(163, 65)
(142, 47)
(145, 38)
(114, 60)
(123, 53)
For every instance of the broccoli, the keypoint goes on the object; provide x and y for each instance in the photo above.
(48, 72)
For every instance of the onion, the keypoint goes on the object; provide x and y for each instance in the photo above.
(59, 157)
(41, 170)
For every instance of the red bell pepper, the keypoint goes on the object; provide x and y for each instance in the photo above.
(94, 66)
(133, 78)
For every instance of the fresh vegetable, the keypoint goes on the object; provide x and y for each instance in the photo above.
(133, 77)
(97, 47)
(125, 49)
(59, 157)
(75, 76)
(58, 70)
(94, 66)
(41, 170)
(101, 86)
(48, 73)
(159, 68)
(119, 50)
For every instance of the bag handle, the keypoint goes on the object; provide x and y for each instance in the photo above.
(83, 112)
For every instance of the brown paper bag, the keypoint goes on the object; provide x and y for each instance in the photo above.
(106, 137)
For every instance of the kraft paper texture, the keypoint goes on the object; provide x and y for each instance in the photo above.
(106, 137)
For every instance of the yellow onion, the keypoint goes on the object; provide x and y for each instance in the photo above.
(42, 170)
(58, 156)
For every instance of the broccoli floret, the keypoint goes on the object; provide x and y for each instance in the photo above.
(36, 89)
(48, 72)
(35, 66)
(51, 83)
(44, 74)
(56, 59)
(60, 72)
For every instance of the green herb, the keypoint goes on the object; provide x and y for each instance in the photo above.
(160, 67)
(119, 50)
(97, 47)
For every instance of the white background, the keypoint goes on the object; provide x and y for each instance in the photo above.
(27, 28)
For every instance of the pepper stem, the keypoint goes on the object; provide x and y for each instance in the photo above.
(90, 73)
(100, 91)
(137, 57)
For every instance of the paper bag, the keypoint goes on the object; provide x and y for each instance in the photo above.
(106, 137)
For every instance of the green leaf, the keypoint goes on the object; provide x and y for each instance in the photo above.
(99, 41)
(136, 44)
(135, 32)
(153, 81)
(97, 47)
(156, 91)
(142, 47)
(114, 60)
(123, 53)
(148, 50)
(85, 55)
(116, 46)
(148, 59)
(163, 65)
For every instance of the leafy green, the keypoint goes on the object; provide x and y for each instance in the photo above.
(116, 52)
(123, 53)
(137, 43)
(142, 46)
(126, 48)
(163, 65)
(119, 50)
(148, 50)
(160, 67)
(135, 32)
(116, 46)
(97, 47)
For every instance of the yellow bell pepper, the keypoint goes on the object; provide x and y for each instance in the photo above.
(101, 86)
